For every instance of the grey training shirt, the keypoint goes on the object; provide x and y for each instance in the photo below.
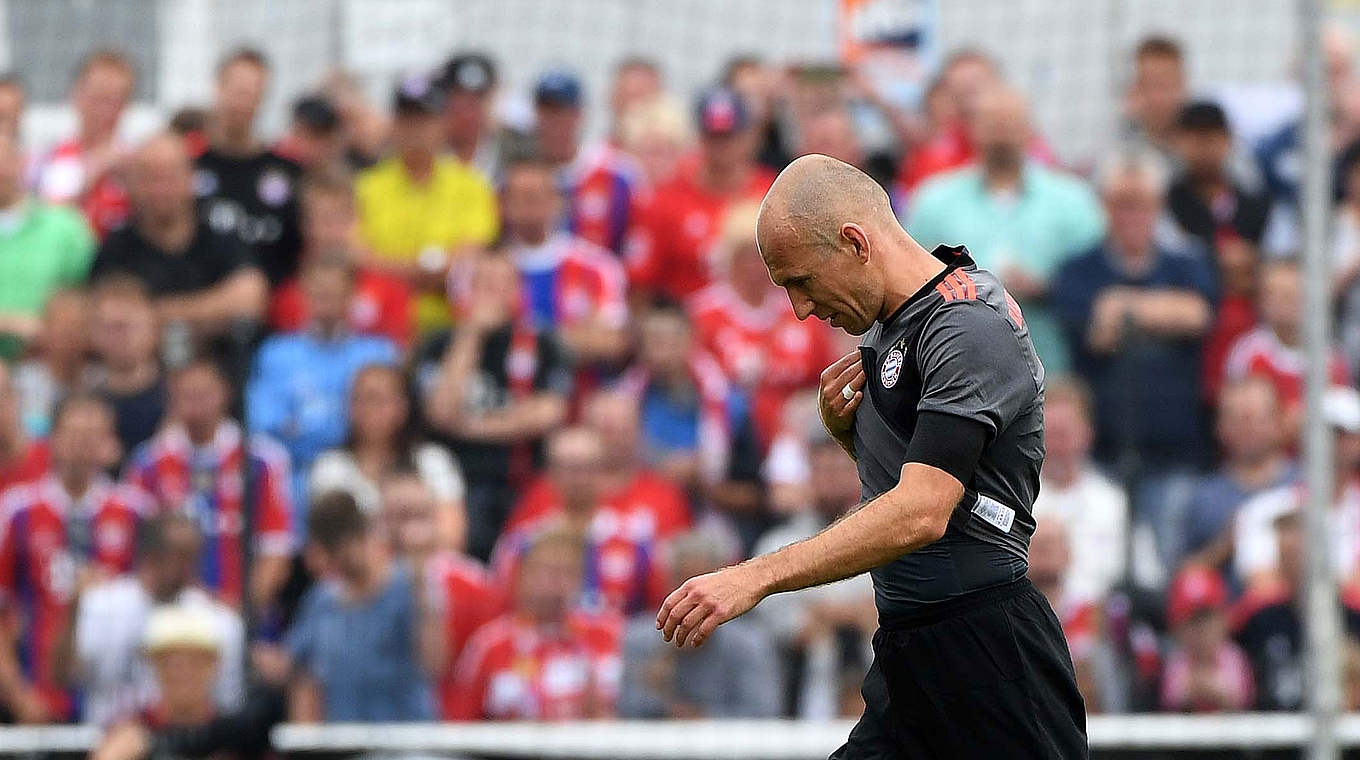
(958, 346)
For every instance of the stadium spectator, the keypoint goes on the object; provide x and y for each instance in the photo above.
(544, 659)
(821, 634)
(1274, 348)
(1050, 570)
(84, 169)
(13, 101)
(299, 388)
(491, 389)
(1135, 315)
(1253, 459)
(111, 624)
(315, 139)
(656, 133)
(1092, 510)
(383, 440)
(668, 248)
(1256, 553)
(202, 463)
(365, 128)
(414, 525)
(420, 210)
(623, 571)
(42, 248)
(358, 645)
(382, 302)
(571, 285)
(1204, 199)
(831, 132)
(1238, 267)
(1345, 243)
(1155, 95)
(23, 457)
(734, 675)
(128, 376)
(600, 182)
(744, 321)
(199, 276)
(1018, 218)
(58, 359)
(760, 86)
(637, 80)
(68, 529)
(245, 188)
(468, 81)
(1205, 671)
(1268, 627)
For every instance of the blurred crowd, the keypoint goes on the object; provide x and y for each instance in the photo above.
(410, 414)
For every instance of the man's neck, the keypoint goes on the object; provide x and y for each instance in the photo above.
(201, 435)
(1257, 472)
(171, 234)
(196, 713)
(373, 457)
(1287, 335)
(915, 267)
(236, 141)
(722, 179)
(75, 481)
(465, 146)
(1001, 177)
(134, 378)
(1133, 260)
(89, 137)
(419, 166)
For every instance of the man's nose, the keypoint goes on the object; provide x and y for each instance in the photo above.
(802, 307)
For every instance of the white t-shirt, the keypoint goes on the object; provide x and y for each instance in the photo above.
(336, 470)
(1095, 512)
(1255, 549)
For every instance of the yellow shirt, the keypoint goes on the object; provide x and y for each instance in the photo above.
(402, 221)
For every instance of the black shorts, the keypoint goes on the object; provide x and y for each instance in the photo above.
(984, 675)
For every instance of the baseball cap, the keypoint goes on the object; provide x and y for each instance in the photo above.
(1341, 408)
(1195, 589)
(416, 94)
(1203, 115)
(467, 72)
(316, 113)
(720, 111)
(175, 626)
(558, 87)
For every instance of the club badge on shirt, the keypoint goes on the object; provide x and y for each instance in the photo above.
(892, 367)
(274, 188)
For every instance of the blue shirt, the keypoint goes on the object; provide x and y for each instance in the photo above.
(363, 655)
(298, 392)
(1215, 501)
(1147, 391)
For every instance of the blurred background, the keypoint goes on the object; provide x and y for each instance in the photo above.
(388, 361)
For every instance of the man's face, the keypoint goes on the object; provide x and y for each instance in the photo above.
(837, 287)
(408, 515)
(633, 85)
(1132, 208)
(664, 342)
(124, 331)
(1067, 432)
(378, 406)
(185, 676)
(313, 148)
(83, 439)
(1158, 90)
(549, 582)
(965, 81)
(328, 221)
(1204, 151)
(177, 567)
(615, 419)
(495, 286)
(161, 180)
(240, 88)
(1248, 424)
(198, 398)
(352, 560)
(328, 292)
(101, 95)
(1000, 129)
(530, 203)
(1280, 298)
(466, 113)
(558, 127)
(576, 464)
(724, 152)
(417, 135)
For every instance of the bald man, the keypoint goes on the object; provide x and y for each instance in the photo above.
(970, 660)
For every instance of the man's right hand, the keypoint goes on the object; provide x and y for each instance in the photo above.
(838, 412)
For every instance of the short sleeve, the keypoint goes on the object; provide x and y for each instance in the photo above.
(972, 366)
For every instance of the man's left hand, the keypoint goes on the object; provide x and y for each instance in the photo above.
(702, 603)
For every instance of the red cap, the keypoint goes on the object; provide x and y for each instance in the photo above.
(1195, 589)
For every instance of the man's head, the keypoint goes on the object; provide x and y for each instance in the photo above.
(199, 397)
(726, 141)
(1280, 297)
(831, 132)
(408, 514)
(664, 340)
(328, 284)
(340, 537)
(124, 332)
(636, 80)
(1131, 187)
(1000, 128)
(657, 133)
(183, 648)
(702, 550)
(418, 119)
(614, 416)
(737, 256)
(1203, 140)
(755, 82)
(1068, 433)
(1158, 88)
(576, 462)
(160, 180)
(242, 78)
(558, 98)
(168, 548)
(83, 440)
(1249, 425)
(531, 204)
(965, 75)
(329, 217)
(64, 332)
(823, 230)
(549, 578)
(1050, 554)
(468, 81)
(493, 286)
(13, 99)
(316, 135)
(103, 84)
(12, 188)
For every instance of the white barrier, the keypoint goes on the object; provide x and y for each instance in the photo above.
(715, 739)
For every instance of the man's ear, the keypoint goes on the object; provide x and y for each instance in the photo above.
(857, 238)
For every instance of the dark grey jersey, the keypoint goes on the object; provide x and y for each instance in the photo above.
(959, 346)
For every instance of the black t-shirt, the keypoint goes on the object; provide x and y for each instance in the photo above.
(490, 389)
(208, 259)
(136, 415)
(957, 347)
(257, 198)
(1245, 213)
(1272, 637)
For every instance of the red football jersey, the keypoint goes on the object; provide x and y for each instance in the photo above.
(647, 493)
(669, 249)
(601, 187)
(764, 349)
(62, 174)
(381, 306)
(1260, 352)
(46, 540)
(513, 670)
(30, 465)
(461, 592)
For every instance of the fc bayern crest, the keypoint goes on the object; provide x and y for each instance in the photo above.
(892, 367)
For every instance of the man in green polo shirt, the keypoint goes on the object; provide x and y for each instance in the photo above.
(42, 249)
(1018, 219)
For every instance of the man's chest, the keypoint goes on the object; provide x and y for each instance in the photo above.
(886, 418)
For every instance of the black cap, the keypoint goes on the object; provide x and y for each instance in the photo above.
(720, 111)
(416, 94)
(1203, 115)
(558, 87)
(316, 113)
(467, 72)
